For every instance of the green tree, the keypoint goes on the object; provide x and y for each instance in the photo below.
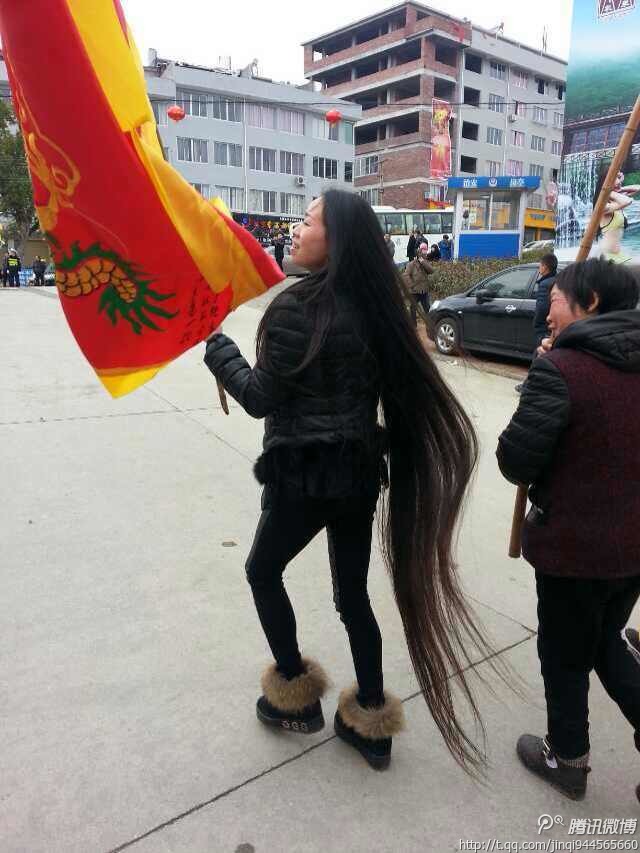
(16, 196)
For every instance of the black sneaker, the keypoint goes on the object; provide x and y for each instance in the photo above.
(632, 639)
(536, 755)
(307, 721)
(377, 753)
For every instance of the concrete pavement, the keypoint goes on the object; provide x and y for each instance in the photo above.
(130, 654)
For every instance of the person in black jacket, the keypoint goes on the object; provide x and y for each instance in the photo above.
(13, 266)
(39, 267)
(574, 438)
(547, 271)
(278, 243)
(333, 350)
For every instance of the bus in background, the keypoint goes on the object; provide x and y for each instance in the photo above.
(400, 222)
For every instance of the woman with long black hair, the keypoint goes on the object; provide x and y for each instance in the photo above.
(334, 352)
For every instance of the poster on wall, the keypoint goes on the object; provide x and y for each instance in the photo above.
(602, 85)
(440, 166)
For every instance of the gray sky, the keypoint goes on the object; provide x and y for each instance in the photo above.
(200, 32)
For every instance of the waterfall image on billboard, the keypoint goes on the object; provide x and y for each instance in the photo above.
(603, 83)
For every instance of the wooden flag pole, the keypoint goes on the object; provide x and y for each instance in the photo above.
(624, 146)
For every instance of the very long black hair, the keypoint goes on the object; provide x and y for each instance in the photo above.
(432, 456)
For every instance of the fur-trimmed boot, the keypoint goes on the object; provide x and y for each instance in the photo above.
(568, 777)
(293, 704)
(370, 730)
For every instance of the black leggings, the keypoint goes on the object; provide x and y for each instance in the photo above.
(287, 524)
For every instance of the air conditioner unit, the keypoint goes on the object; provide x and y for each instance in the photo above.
(513, 117)
(299, 180)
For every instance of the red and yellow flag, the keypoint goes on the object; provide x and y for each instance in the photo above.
(146, 268)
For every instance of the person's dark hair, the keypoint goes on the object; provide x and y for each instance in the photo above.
(616, 285)
(551, 262)
(433, 452)
(603, 170)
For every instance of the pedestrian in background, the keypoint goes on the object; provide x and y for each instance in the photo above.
(574, 437)
(39, 267)
(547, 270)
(434, 253)
(416, 277)
(446, 248)
(390, 245)
(4, 270)
(14, 266)
(331, 350)
(412, 245)
(278, 242)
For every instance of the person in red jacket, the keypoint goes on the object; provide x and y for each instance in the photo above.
(574, 438)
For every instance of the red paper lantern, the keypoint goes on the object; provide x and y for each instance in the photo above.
(333, 116)
(176, 113)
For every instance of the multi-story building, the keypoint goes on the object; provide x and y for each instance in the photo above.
(507, 101)
(265, 148)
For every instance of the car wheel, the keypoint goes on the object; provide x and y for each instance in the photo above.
(447, 336)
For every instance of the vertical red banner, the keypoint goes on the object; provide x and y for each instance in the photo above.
(440, 166)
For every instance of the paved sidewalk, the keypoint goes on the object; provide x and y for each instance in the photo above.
(130, 654)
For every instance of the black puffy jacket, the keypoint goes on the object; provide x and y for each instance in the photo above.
(331, 405)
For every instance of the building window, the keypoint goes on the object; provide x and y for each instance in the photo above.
(539, 115)
(561, 90)
(262, 201)
(520, 109)
(233, 197)
(262, 159)
(160, 113)
(536, 201)
(291, 121)
(259, 115)
(292, 204)
(227, 154)
(517, 138)
(473, 63)
(193, 103)
(203, 189)
(536, 171)
(471, 97)
(498, 70)
(321, 129)
(494, 168)
(556, 148)
(542, 86)
(469, 165)
(226, 109)
(470, 130)
(372, 195)
(323, 167)
(537, 143)
(192, 150)
(435, 192)
(494, 136)
(348, 132)
(348, 172)
(497, 103)
(558, 120)
(520, 78)
(366, 166)
(514, 168)
(291, 164)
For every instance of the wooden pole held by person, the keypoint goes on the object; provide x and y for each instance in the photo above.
(624, 146)
(223, 397)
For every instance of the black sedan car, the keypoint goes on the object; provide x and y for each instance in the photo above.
(495, 315)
